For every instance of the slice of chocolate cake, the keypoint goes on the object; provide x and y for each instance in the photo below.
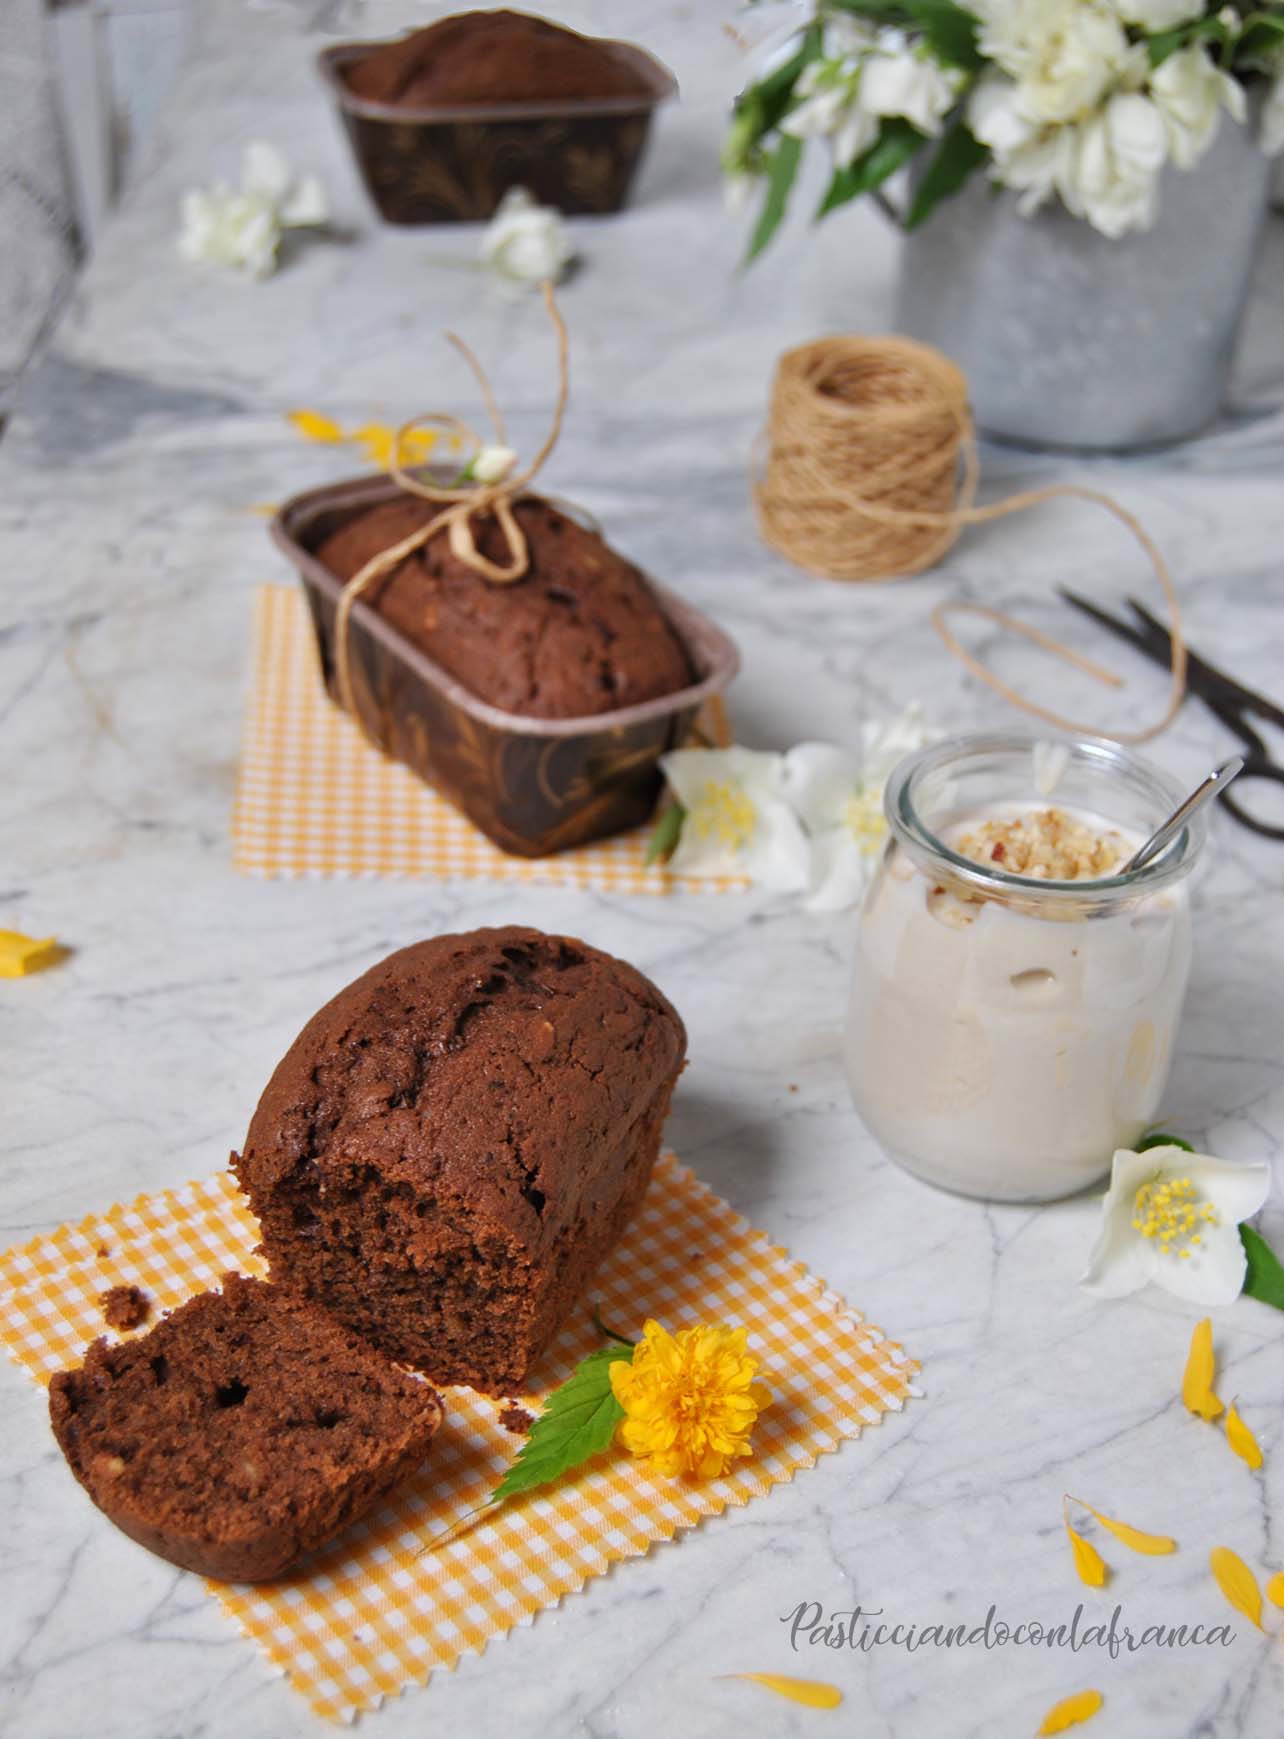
(240, 1432)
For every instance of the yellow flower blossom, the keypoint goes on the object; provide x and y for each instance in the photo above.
(690, 1399)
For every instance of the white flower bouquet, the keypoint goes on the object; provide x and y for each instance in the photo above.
(1085, 100)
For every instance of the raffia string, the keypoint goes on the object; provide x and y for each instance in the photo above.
(462, 502)
(871, 473)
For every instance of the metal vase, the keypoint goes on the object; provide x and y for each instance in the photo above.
(1070, 339)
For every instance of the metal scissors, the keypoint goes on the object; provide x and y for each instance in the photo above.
(1229, 700)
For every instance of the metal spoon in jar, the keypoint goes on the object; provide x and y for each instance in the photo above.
(1216, 782)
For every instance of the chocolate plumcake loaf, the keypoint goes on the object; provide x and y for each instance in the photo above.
(240, 1432)
(580, 634)
(452, 1144)
(492, 57)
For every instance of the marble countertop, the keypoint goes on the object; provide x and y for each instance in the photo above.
(147, 433)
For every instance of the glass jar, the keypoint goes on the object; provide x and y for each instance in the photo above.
(1007, 1033)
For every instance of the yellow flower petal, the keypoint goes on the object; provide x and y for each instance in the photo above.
(1153, 1545)
(22, 954)
(1275, 1589)
(1201, 1368)
(1092, 1567)
(376, 441)
(1241, 1439)
(1069, 1712)
(1237, 1582)
(811, 1693)
(314, 427)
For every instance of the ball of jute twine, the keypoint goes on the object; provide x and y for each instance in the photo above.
(871, 472)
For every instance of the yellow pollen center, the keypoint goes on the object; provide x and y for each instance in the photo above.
(1171, 1211)
(726, 812)
(863, 817)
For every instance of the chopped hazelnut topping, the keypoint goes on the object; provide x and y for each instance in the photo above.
(1047, 844)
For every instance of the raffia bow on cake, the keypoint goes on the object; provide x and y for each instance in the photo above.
(461, 501)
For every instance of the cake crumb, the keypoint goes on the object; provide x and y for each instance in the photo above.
(516, 1419)
(102, 1252)
(125, 1307)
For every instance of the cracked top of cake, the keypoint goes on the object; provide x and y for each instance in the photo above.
(580, 634)
(470, 1071)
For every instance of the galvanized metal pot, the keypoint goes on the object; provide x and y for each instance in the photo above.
(1070, 339)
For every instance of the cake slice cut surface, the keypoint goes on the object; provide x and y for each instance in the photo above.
(243, 1430)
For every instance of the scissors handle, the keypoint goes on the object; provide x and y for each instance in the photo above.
(1255, 767)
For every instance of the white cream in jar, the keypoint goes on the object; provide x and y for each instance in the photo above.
(1007, 1031)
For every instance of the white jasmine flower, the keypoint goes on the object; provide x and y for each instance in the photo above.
(839, 797)
(1064, 55)
(1173, 1217)
(525, 243)
(1112, 175)
(854, 136)
(846, 38)
(299, 201)
(737, 821)
(1272, 126)
(827, 94)
(1155, 15)
(903, 78)
(223, 228)
(492, 464)
(242, 229)
(831, 109)
(1191, 91)
(1027, 156)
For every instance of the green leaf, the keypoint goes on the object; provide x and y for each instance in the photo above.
(950, 31)
(957, 155)
(1168, 42)
(1159, 1139)
(782, 167)
(761, 108)
(665, 834)
(895, 145)
(773, 92)
(578, 1421)
(1261, 35)
(1265, 1278)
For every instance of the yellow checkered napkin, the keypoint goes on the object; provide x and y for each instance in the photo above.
(315, 799)
(373, 1613)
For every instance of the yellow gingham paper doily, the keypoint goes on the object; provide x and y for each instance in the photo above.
(314, 798)
(372, 1613)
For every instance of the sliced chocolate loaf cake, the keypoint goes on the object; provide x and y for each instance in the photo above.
(240, 1432)
(453, 1143)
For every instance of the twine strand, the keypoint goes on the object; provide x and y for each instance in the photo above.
(871, 473)
(461, 503)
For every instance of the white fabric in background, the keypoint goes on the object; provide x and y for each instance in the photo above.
(37, 231)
